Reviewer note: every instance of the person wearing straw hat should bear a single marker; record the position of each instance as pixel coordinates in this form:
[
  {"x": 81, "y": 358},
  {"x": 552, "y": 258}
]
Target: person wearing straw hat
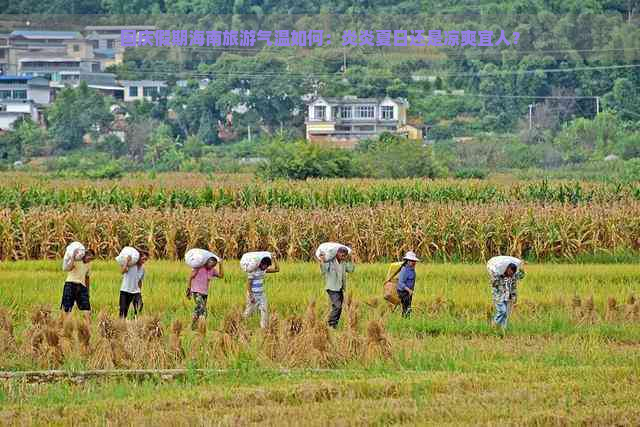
[{"x": 407, "y": 282}]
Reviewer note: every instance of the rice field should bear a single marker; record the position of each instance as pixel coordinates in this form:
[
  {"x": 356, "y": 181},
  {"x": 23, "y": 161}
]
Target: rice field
[{"x": 569, "y": 356}]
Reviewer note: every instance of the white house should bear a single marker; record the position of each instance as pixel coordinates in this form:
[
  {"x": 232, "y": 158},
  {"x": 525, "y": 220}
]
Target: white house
[
  {"x": 10, "y": 111},
  {"x": 135, "y": 90},
  {"x": 349, "y": 119}
]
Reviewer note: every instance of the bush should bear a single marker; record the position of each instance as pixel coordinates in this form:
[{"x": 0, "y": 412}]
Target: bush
[
  {"x": 302, "y": 160},
  {"x": 394, "y": 157},
  {"x": 629, "y": 146},
  {"x": 471, "y": 173}
]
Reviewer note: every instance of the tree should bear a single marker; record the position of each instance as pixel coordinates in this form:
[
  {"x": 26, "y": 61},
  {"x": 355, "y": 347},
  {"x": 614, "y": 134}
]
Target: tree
[
  {"x": 30, "y": 138},
  {"x": 196, "y": 112},
  {"x": 302, "y": 160},
  {"x": 162, "y": 152},
  {"x": 395, "y": 157},
  {"x": 623, "y": 99},
  {"x": 77, "y": 112}
]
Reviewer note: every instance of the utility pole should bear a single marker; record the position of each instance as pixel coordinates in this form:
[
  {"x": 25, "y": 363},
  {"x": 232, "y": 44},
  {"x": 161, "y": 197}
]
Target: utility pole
[
  {"x": 597, "y": 105},
  {"x": 344, "y": 61},
  {"x": 249, "y": 132},
  {"x": 530, "y": 116}
]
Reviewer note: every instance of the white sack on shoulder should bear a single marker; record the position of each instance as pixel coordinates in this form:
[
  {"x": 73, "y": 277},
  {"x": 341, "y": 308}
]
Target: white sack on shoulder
[
  {"x": 128, "y": 251},
  {"x": 250, "y": 261},
  {"x": 496, "y": 266},
  {"x": 330, "y": 249},
  {"x": 196, "y": 258},
  {"x": 68, "y": 259}
]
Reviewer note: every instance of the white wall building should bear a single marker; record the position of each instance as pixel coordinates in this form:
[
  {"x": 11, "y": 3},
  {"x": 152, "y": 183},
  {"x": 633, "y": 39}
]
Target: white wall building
[
  {"x": 137, "y": 90},
  {"x": 10, "y": 111}
]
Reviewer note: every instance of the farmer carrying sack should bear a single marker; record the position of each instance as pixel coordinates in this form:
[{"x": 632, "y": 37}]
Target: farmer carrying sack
[
  {"x": 329, "y": 250},
  {"x": 76, "y": 248},
  {"x": 130, "y": 252},
  {"x": 251, "y": 260},
  {"x": 497, "y": 265},
  {"x": 390, "y": 288},
  {"x": 196, "y": 258}
]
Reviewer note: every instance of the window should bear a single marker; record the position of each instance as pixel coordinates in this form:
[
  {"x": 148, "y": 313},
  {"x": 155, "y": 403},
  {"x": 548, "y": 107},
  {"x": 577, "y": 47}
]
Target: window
[
  {"x": 20, "y": 94},
  {"x": 95, "y": 68},
  {"x": 334, "y": 112},
  {"x": 346, "y": 112},
  {"x": 110, "y": 44},
  {"x": 365, "y": 128},
  {"x": 2, "y": 53},
  {"x": 95, "y": 44},
  {"x": 5, "y": 94},
  {"x": 387, "y": 112},
  {"x": 133, "y": 91},
  {"x": 76, "y": 48},
  {"x": 364, "y": 112},
  {"x": 320, "y": 112},
  {"x": 150, "y": 91}
]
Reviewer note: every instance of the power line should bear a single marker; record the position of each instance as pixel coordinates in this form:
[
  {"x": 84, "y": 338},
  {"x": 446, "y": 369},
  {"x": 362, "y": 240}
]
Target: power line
[{"x": 372, "y": 75}]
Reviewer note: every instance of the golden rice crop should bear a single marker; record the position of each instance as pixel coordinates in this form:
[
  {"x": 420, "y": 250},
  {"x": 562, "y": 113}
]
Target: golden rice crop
[{"x": 436, "y": 231}]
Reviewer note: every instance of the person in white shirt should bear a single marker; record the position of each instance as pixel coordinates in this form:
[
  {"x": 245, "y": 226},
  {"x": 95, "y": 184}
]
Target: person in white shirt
[
  {"x": 256, "y": 298},
  {"x": 131, "y": 289}
]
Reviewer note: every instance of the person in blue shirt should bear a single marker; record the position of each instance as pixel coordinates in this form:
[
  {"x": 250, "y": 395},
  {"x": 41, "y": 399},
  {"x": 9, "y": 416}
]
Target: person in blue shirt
[{"x": 407, "y": 282}]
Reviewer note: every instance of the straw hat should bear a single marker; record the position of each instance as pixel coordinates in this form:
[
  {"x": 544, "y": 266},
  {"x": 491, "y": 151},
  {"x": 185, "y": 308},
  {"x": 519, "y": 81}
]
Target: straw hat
[{"x": 411, "y": 256}]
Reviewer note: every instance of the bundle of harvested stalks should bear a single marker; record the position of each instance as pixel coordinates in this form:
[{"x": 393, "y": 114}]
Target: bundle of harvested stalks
[
  {"x": 353, "y": 314},
  {"x": 293, "y": 326},
  {"x": 576, "y": 302},
  {"x": 67, "y": 341},
  {"x": 153, "y": 328},
  {"x": 310, "y": 317},
  {"x": 233, "y": 325},
  {"x": 589, "y": 314},
  {"x": 41, "y": 316},
  {"x": 272, "y": 338},
  {"x": 321, "y": 353},
  {"x": 7, "y": 339},
  {"x": 632, "y": 311},
  {"x": 135, "y": 342},
  {"x": 378, "y": 344},
  {"x": 83, "y": 333},
  {"x": 231, "y": 335},
  {"x": 612, "y": 309},
  {"x": 52, "y": 355},
  {"x": 103, "y": 356},
  {"x": 175, "y": 341},
  {"x": 156, "y": 352},
  {"x": 199, "y": 346}
]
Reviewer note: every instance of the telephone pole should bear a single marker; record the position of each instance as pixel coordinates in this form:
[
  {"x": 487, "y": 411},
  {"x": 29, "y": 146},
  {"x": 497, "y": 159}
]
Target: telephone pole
[
  {"x": 344, "y": 61},
  {"x": 597, "y": 105},
  {"x": 530, "y": 116}
]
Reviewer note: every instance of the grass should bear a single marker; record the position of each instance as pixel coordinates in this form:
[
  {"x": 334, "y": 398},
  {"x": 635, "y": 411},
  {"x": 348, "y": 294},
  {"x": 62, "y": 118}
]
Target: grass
[{"x": 558, "y": 364}]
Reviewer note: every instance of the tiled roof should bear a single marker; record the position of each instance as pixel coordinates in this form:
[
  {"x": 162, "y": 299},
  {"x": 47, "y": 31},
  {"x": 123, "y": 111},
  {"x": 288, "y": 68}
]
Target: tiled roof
[
  {"x": 63, "y": 35},
  {"x": 353, "y": 100}
]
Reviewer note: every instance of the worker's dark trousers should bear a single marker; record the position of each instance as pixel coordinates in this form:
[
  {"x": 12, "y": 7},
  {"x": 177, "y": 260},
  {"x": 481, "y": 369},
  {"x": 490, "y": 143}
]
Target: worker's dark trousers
[
  {"x": 405, "y": 299},
  {"x": 336, "y": 298}
]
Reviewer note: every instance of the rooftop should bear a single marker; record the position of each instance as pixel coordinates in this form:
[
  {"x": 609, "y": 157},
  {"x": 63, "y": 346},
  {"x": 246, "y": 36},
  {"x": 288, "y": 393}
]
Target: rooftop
[
  {"x": 142, "y": 83},
  {"x": 5, "y": 77},
  {"x": 40, "y": 35},
  {"x": 355, "y": 100},
  {"x": 119, "y": 27}
]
